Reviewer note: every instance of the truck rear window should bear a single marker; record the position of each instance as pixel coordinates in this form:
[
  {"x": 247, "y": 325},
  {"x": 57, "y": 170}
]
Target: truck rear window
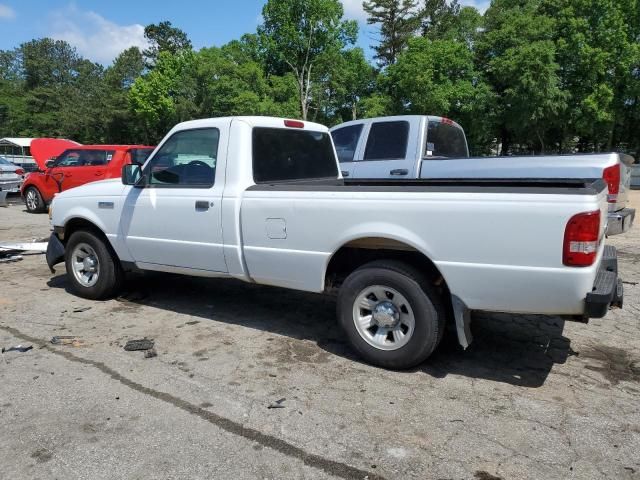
[
  {"x": 280, "y": 154},
  {"x": 445, "y": 140}
]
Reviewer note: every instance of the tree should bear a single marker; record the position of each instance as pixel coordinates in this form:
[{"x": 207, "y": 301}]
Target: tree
[
  {"x": 437, "y": 16},
  {"x": 164, "y": 37},
  {"x": 120, "y": 125},
  {"x": 398, "y": 21},
  {"x": 161, "y": 98},
  {"x": 297, "y": 34},
  {"x": 597, "y": 49},
  {"x": 437, "y": 77},
  {"x": 518, "y": 58}
]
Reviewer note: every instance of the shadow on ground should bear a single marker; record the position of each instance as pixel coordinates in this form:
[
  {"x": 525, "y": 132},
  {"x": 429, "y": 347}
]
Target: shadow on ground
[{"x": 515, "y": 349}]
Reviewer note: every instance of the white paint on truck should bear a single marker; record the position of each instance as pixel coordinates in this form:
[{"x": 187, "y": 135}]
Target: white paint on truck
[
  {"x": 262, "y": 200},
  {"x": 420, "y": 146}
]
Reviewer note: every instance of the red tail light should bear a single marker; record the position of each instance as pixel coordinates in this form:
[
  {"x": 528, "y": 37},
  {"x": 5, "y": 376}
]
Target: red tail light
[
  {"x": 581, "y": 240},
  {"x": 293, "y": 124},
  {"x": 611, "y": 175},
  {"x": 19, "y": 171}
]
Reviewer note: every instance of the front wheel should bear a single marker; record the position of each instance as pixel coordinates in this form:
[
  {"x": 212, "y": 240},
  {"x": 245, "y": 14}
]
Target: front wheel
[
  {"x": 33, "y": 200},
  {"x": 92, "y": 267},
  {"x": 391, "y": 314}
]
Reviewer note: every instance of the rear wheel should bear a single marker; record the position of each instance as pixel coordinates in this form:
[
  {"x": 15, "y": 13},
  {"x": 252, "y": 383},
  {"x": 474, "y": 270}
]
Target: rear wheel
[
  {"x": 391, "y": 314},
  {"x": 92, "y": 267},
  {"x": 33, "y": 200}
]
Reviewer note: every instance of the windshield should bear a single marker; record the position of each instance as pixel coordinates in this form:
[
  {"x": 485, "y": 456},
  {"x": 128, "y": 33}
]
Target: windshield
[
  {"x": 4, "y": 161},
  {"x": 445, "y": 139}
]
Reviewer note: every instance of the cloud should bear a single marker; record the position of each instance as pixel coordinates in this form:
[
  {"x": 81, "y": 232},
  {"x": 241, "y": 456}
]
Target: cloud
[
  {"x": 353, "y": 10},
  {"x": 94, "y": 36},
  {"x": 6, "y": 12},
  {"x": 481, "y": 5}
]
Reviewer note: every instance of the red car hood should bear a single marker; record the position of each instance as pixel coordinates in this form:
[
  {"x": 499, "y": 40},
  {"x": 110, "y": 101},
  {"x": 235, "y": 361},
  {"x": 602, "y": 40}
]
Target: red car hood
[{"x": 42, "y": 149}]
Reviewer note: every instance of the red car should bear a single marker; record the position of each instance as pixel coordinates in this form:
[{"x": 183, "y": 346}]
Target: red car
[{"x": 64, "y": 164}]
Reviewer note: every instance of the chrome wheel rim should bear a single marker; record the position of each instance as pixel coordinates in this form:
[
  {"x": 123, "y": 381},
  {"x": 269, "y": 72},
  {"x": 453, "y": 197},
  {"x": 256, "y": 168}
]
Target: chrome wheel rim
[
  {"x": 85, "y": 265},
  {"x": 32, "y": 200},
  {"x": 383, "y": 317}
]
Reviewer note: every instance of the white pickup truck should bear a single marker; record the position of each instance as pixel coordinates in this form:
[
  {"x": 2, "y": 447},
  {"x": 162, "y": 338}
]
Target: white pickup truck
[
  {"x": 262, "y": 200},
  {"x": 420, "y": 146}
]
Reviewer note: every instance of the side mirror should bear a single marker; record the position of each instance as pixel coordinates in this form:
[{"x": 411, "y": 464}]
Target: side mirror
[
  {"x": 50, "y": 163},
  {"x": 131, "y": 174}
]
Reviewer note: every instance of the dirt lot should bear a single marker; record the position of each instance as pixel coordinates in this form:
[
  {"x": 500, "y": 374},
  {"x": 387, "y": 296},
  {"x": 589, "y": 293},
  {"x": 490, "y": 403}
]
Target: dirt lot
[{"x": 534, "y": 397}]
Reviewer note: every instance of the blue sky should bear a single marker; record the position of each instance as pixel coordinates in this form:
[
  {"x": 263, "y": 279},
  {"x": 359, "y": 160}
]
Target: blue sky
[{"x": 101, "y": 29}]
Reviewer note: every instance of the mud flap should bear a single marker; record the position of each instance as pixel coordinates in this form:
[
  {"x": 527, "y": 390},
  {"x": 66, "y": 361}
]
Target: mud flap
[
  {"x": 55, "y": 252},
  {"x": 463, "y": 322}
]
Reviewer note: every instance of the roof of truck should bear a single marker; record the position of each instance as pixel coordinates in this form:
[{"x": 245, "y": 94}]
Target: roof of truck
[{"x": 395, "y": 118}]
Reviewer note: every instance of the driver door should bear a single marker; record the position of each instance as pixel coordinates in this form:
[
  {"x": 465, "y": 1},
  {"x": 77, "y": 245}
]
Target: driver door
[{"x": 172, "y": 221}]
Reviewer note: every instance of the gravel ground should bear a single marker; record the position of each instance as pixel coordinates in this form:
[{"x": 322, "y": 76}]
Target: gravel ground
[{"x": 534, "y": 397}]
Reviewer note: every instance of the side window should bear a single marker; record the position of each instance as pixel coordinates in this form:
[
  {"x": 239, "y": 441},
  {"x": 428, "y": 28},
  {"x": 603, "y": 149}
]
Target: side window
[
  {"x": 96, "y": 158},
  {"x": 69, "y": 159},
  {"x": 186, "y": 159},
  {"x": 346, "y": 140},
  {"x": 387, "y": 141}
]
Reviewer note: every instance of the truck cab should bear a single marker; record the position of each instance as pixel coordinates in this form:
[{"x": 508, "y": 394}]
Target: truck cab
[{"x": 394, "y": 147}]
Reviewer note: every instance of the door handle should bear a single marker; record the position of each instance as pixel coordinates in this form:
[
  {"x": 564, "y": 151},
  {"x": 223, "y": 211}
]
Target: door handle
[
  {"x": 203, "y": 205},
  {"x": 344, "y": 173},
  {"x": 399, "y": 171},
  {"x": 99, "y": 173}
]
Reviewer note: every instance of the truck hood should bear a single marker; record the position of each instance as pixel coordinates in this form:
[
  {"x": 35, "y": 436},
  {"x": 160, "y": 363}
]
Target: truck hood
[{"x": 42, "y": 149}]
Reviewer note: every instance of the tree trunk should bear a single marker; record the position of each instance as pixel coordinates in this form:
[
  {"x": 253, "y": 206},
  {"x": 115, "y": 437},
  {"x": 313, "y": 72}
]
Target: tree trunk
[{"x": 504, "y": 140}]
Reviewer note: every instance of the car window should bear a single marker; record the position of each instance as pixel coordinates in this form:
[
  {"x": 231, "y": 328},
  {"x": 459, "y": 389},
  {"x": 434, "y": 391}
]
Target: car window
[
  {"x": 282, "y": 154},
  {"x": 4, "y": 161},
  {"x": 387, "y": 141},
  {"x": 84, "y": 158},
  {"x": 346, "y": 140},
  {"x": 445, "y": 140},
  {"x": 186, "y": 159}
]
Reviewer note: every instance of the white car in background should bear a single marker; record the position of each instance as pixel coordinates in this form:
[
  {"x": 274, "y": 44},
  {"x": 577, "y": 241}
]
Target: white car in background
[{"x": 11, "y": 176}]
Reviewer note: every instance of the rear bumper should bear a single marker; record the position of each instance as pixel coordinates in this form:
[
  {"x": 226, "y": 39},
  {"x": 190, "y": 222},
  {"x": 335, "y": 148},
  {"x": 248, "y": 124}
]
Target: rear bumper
[
  {"x": 620, "y": 221},
  {"x": 11, "y": 187},
  {"x": 607, "y": 288}
]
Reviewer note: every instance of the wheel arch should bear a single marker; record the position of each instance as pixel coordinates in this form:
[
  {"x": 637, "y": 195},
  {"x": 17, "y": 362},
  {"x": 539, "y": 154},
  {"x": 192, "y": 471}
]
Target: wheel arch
[{"x": 358, "y": 251}]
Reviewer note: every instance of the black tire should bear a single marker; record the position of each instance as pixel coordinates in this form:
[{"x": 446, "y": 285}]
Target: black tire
[
  {"x": 426, "y": 304},
  {"x": 110, "y": 274},
  {"x": 35, "y": 205}
]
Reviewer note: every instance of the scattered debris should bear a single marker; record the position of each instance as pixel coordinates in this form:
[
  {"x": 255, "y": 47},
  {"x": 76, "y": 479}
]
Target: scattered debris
[
  {"x": 150, "y": 353},
  {"x": 19, "y": 247},
  {"x": 81, "y": 309},
  {"x": 135, "y": 345},
  {"x": 67, "y": 340},
  {"x": 277, "y": 404},
  {"x": 193, "y": 322},
  {"x": 17, "y": 348},
  {"x": 10, "y": 258},
  {"x": 633, "y": 284}
]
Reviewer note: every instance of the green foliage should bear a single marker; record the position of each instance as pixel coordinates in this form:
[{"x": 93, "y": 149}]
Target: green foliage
[
  {"x": 164, "y": 37},
  {"x": 398, "y": 21},
  {"x": 297, "y": 35},
  {"x": 527, "y": 76}
]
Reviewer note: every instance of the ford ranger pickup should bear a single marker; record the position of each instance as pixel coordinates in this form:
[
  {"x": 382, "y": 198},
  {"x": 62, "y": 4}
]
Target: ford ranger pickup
[{"x": 262, "y": 200}]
